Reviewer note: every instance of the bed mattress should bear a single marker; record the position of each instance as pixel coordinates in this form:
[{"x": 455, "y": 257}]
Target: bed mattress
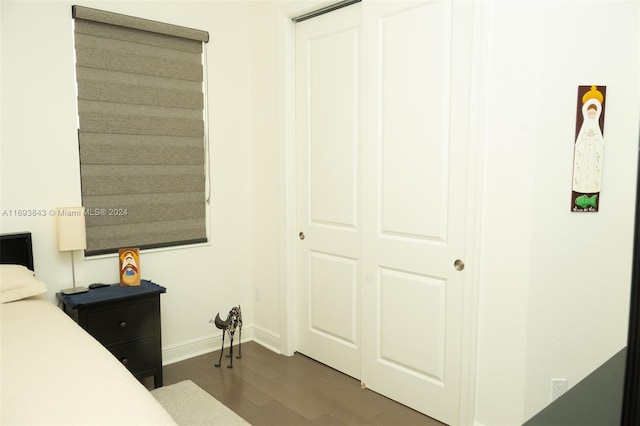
[{"x": 52, "y": 372}]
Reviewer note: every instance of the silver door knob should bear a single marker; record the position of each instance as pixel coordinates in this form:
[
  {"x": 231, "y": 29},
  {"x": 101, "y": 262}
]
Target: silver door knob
[
  {"x": 301, "y": 235},
  {"x": 458, "y": 264}
]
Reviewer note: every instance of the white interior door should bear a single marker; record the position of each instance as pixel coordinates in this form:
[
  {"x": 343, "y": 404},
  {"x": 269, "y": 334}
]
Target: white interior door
[
  {"x": 328, "y": 207},
  {"x": 416, "y": 88},
  {"x": 382, "y": 127}
]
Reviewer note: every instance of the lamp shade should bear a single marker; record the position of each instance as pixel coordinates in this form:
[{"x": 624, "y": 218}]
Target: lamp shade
[{"x": 70, "y": 227}]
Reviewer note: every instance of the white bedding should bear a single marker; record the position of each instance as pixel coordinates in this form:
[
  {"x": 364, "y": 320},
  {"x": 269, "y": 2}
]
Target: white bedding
[{"x": 52, "y": 372}]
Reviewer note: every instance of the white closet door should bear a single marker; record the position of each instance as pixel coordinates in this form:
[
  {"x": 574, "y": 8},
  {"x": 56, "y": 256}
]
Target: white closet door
[
  {"x": 328, "y": 207},
  {"x": 382, "y": 127},
  {"x": 416, "y": 85}
]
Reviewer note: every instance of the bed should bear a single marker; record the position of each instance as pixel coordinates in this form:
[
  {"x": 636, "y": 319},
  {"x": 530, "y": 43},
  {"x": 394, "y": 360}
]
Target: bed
[{"x": 52, "y": 372}]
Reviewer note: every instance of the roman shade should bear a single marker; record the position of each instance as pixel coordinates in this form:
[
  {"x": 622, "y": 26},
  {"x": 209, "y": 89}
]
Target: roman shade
[{"x": 141, "y": 131}]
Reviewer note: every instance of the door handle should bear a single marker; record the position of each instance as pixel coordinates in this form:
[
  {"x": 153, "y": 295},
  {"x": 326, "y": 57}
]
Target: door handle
[
  {"x": 458, "y": 264},
  {"x": 301, "y": 235}
]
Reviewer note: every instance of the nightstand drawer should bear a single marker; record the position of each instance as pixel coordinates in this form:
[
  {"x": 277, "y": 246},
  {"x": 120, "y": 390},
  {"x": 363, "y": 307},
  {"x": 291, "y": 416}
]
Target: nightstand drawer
[
  {"x": 121, "y": 324},
  {"x": 137, "y": 356}
]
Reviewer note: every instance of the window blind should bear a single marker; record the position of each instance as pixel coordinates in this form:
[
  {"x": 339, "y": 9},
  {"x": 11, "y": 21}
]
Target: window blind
[{"x": 141, "y": 131}]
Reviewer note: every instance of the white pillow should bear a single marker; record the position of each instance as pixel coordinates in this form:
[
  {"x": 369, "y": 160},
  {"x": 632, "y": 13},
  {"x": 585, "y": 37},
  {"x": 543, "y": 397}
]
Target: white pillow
[{"x": 18, "y": 282}]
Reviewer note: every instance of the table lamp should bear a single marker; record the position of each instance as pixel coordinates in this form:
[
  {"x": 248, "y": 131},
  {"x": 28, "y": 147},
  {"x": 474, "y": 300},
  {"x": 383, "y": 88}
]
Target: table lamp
[{"x": 71, "y": 237}]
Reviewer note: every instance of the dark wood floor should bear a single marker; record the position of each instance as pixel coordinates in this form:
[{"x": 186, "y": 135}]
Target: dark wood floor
[{"x": 270, "y": 389}]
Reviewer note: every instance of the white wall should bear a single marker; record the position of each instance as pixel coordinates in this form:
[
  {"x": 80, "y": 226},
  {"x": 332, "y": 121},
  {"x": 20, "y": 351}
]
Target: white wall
[
  {"x": 581, "y": 263},
  {"x": 39, "y": 159},
  {"x": 554, "y": 285},
  {"x": 508, "y": 120},
  {"x": 265, "y": 133}
]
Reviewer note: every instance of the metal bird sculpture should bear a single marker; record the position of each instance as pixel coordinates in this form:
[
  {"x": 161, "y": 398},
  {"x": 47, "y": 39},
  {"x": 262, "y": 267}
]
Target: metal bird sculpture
[{"x": 233, "y": 321}]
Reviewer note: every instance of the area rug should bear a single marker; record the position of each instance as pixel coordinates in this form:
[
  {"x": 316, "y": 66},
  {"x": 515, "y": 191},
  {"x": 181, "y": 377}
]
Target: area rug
[{"x": 189, "y": 405}]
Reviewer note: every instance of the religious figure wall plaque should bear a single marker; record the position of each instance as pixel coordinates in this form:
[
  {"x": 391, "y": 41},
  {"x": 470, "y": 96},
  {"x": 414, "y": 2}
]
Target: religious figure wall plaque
[{"x": 588, "y": 150}]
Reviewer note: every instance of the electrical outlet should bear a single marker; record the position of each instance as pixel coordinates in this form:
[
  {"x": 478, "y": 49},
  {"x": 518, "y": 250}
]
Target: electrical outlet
[
  {"x": 258, "y": 294},
  {"x": 558, "y": 387}
]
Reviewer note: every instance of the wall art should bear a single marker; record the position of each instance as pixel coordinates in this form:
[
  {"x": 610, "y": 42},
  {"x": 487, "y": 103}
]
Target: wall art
[{"x": 588, "y": 151}]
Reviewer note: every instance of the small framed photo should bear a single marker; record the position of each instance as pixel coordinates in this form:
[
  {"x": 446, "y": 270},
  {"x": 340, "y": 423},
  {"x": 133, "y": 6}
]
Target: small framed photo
[{"x": 129, "y": 266}]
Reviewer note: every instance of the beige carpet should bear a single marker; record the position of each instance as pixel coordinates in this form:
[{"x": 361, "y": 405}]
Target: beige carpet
[{"x": 189, "y": 405}]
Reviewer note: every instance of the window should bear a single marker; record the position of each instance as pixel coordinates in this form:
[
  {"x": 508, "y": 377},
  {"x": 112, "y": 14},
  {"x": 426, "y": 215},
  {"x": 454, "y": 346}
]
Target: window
[{"x": 141, "y": 131}]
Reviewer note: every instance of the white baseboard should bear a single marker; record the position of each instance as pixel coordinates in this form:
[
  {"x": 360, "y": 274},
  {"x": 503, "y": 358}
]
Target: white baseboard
[
  {"x": 201, "y": 346},
  {"x": 267, "y": 338},
  {"x": 190, "y": 349}
]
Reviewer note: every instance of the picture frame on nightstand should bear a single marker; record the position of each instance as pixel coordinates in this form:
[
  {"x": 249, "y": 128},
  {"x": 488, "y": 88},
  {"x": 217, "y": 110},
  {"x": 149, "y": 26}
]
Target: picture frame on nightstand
[{"x": 129, "y": 266}]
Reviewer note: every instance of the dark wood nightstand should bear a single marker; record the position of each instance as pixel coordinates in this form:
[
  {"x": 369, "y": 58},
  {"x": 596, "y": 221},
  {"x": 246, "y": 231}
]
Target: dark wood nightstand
[{"x": 126, "y": 320}]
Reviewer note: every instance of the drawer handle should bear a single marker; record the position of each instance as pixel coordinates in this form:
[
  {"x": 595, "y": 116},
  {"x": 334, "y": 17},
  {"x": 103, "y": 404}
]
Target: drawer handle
[
  {"x": 124, "y": 361},
  {"x": 123, "y": 324}
]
